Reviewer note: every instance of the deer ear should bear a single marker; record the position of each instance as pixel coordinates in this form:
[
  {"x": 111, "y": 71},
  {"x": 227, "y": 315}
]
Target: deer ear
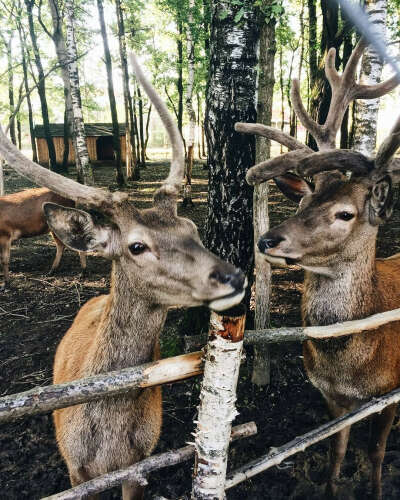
[
  {"x": 293, "y": 187},
  {"x": 381, "y": 201},
  {"x": 79, "y": 231}
]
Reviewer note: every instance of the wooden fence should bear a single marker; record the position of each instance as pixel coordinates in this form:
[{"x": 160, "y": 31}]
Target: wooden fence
[{"x": 219, "y": 361}]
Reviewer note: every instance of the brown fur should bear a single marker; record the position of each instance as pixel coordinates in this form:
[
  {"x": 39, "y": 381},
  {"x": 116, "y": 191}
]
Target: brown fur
[
  {"x": 344, "y": 281},
  {"x": 22, "y": 217}
]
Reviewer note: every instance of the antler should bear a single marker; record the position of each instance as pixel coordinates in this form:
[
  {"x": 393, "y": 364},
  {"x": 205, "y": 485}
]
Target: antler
[
  {"x": 86, "y": 195},
  {"x": 271, "y": 133},
  {"x": 388, "y": 148},
  {"x": 344, "y": 90},
  {"x": 173, "y": 182}
]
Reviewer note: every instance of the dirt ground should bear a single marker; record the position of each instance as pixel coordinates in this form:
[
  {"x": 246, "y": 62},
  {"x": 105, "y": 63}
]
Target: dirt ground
[{"x": 38, "y": 310}]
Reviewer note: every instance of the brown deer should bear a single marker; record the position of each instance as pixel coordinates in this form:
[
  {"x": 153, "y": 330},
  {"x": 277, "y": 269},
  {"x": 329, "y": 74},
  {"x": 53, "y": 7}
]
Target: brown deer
[
  {"x": 22, "y": 217},
  {"x": 333, "y": 237},
  {"x": 158, "y": 261}
]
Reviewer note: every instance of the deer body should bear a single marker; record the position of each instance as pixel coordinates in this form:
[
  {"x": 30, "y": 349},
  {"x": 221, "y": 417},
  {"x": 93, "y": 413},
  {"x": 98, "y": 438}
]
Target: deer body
[{"x": 22, "y": 216}]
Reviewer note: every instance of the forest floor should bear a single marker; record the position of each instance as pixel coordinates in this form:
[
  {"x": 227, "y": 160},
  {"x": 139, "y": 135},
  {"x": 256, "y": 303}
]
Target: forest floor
[{"x": 38, "y": 310}]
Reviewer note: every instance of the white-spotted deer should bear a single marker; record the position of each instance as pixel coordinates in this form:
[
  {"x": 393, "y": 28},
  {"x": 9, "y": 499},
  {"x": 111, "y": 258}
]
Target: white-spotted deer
[
  {"x": 158, "y": 261},
  {"x": 333, "y": 237},
  {"x": 21, "y": 216}
]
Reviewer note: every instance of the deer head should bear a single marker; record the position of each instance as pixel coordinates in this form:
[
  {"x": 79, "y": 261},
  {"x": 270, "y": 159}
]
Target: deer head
[
  {"x": 338, "y": 215},
  {"x": 157, "y": 255}
]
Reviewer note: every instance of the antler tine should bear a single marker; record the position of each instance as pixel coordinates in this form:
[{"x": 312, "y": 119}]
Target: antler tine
[
  {"x": 271, "y": 133},
  {"x": 388, "y": 148},
  {"x": 85, "y": 195},
  {"x": 174, "y": 179},
  {"x": 338, "y": 159},
  {"x": 277, "y": 166}
]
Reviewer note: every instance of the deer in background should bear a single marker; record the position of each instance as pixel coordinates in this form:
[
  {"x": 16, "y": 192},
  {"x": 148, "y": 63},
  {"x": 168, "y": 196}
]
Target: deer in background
[
  {"x": 21, "y": 216},
  {"x": 158, "y": 261},
  {"x": 333, "y": 237}
]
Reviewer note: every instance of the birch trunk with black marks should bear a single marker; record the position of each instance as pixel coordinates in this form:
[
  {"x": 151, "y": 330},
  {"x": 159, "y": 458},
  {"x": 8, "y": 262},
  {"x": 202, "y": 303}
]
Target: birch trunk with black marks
[
  {"x": 179, "y": 81},
  {"x": 131, "y": 171},
  {"x": 187, "y": 189},
  {"x": 41, "y": 86},
  {"x": 111, "y": 96},
  {"x": 366, "y": 113},
  {"x": 231, "y": 98},
  {"x": 217, "y": 403},
  {"x": 261, "y": 362},
  {"x": 85, "y": 172}
]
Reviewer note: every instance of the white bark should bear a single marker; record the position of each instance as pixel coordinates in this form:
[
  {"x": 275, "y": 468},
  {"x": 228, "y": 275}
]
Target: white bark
[
  {"x": 371, "y": 71},
  {"x": 217, "y": 405},
  {"x": 86, "y": 174}
]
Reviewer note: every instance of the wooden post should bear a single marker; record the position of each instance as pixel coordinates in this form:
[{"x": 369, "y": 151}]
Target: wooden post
[{"x": 217, "y": 403}]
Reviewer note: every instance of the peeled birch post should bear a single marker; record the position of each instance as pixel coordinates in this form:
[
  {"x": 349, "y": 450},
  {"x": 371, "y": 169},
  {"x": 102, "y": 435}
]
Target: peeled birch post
[{"x": 217, "y": 403}]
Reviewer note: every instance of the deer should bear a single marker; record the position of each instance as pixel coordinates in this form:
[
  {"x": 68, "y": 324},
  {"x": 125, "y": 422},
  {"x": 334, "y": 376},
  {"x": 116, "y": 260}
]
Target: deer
[
  {"x": 343, "y": 198},
  {"x": 158, "y": 261},
  {"x": 22, "y": 217}
]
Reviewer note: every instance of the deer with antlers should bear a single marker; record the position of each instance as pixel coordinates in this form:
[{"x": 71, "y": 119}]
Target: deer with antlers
[
  {"x": 333, "y": 237},
  {"x": 158, "y": 261}
]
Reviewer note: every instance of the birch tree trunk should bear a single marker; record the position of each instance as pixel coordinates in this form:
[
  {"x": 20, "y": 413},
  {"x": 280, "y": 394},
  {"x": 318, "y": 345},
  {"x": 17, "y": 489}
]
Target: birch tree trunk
[
  {"x": 366, "y": 112},
  {"x": 111, "y": 96},
  {"x": 231, "y": 97},
  {"x": 131, "y": 171},
  {"x": 85, "y": 172},
  {"x": 217, "y": 403},
  {"x": 187, "y": 190},
  {"x": 261, "y": 362}
]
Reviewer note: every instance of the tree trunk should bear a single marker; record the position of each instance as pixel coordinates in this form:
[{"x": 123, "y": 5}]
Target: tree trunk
[
  {"x": 344, "y": 128},
  {"x": 187, "y": 190},
  {"x": 141, "y": 127},
  {"x": 231, "y": 98},
  {"x": 179, "y": 82},
  {"x": 282, "y": 92},
  {"x": 10, "y": 72},
  {"x": 371, "y": 71},
  {"x": 41, "y": 86},
  {"x": 312, "y": 57},
  {"x": 85, "y": 174},
  {"x": 111, "y": 96},
  {"x": 261, "y": 363},
  {"x": 147, "y": 130},
  {"x": 131, "y": 171}
]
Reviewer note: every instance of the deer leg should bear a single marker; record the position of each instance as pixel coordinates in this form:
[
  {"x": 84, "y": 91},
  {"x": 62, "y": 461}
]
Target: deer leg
[
  {"x": 60, "y": 250},
  {"x": 5, "y": 247},
  {"x": 82, "y": 258},
  {"x": 132, "y": 491},
  {"x": 81, "y": 476},
  {"x": 380, "y": 427},
  {"x": 337, "y": 452}
]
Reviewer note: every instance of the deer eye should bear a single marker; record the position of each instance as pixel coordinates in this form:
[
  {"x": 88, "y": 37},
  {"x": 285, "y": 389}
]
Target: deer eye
[
  {"x": 344, "y": 215},
  {"x": 137, "y": 248}
]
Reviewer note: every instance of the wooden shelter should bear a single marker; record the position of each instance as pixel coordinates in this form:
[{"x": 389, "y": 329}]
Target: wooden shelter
[{"x": 98, "y": 140}]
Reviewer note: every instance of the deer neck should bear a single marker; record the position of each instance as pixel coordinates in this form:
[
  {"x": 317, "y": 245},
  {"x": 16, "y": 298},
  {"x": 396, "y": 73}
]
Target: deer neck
[
  {"x": 130, "y": 326},
  {"x": 350, "y": 293}
]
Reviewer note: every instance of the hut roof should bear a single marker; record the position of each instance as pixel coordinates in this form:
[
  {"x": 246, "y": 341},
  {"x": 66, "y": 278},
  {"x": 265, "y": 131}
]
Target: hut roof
[{"x": 91, "y": 129}]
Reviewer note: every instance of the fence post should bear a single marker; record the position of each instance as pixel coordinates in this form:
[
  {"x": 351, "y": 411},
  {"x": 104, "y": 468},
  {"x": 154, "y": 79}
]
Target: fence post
[{"x": 217, "y": 410}]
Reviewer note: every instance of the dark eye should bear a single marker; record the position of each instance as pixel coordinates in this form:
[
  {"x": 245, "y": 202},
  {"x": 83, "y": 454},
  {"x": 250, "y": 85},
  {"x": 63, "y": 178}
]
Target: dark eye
[
  {"x": 344, "y": 215},
  {"x": 137, "y": 248}
]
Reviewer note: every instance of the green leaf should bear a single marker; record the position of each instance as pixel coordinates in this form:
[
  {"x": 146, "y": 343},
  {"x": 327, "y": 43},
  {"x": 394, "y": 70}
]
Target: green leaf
[
  {"x": 239, "y": 15},
  {"x": 223, "y": 14}
]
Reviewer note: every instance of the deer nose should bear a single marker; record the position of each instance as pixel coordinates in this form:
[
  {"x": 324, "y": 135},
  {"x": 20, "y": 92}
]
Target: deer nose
[
  {"x": 235, "y": 279},
  {"x": 271, "y": 242}
]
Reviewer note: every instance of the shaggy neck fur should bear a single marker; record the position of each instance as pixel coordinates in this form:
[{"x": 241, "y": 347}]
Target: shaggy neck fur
[
  {"x": 130, "y": 327},
  {"x": 351, "y": 294}
]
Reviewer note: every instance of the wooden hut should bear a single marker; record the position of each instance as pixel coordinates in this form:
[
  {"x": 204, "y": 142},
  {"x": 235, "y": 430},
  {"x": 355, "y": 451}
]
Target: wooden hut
[{"x": 98, "y": 140}]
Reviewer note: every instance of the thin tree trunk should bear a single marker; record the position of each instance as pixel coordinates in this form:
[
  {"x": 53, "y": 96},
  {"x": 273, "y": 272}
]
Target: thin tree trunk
[
  {"x": 371, "y": 71},
  {"x": 111, "y": 96},
  {"x": 198, "y": 126},
  {"x": 141, "y": 127},
  {"x": 344, "y": 128},
  {"x": 282, "y": 92},
  {"x": 41, "y": 86},
  {"x": 312, "y": 58},
  {"x": 231, "y": 95},
  {"x": 135, "y": 123},
  {"x": 261, "y": 363},
  {"x": 10, "y": 72},
  {"x": 131, "y": 171},
  {"x": 179, "y": 82},
  {"x": 147, "y": 130},
  {"x": 187, "y": 190}
]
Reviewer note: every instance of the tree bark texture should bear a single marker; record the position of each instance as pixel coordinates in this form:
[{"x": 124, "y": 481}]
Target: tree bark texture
[
  {"x": 261, "y": 361},
  {"x": 366, "y": 113},
  {"x": 10, "y": 72},
  {"x": 141, "y": 127},
  {"x": 111, "y": 96},
  {"x": 179, "y": 82},
  {"x": 85, "y": 172},
  {"x": 231, "y": 98},
  {"x": 41, "y": 86},
  {"x": 190, "y": 41},
  {"x": 217, "y": 403}
]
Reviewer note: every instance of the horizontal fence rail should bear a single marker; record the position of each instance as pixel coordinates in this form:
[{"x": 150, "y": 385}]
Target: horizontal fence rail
[
  {"x": 302, "y": 442},
  {"x": 52, "y": 397},
  {"x": 140, "y": 470}
]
